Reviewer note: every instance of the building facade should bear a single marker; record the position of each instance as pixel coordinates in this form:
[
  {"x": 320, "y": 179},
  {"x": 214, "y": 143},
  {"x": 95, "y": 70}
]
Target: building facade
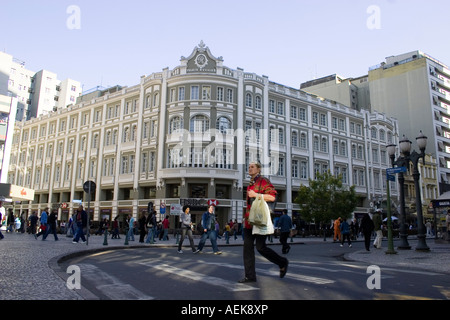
[
  {"x": 187, "y": 135},
  {"x": 36, "y": 92}
]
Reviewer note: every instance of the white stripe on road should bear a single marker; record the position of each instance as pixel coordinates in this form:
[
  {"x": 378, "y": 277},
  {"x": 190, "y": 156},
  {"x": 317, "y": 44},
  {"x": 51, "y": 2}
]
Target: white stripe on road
[
  {"x": 109, "y": 285},
  {"x": 229, "y": 285},
  {"x": 289, "y": 275}
]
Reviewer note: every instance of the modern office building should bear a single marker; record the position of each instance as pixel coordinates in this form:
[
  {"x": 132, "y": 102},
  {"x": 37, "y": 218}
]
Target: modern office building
[
  {"x": 415, "y": 89},
  {"x": 187, "y": 135},
  {"x": 37, "y": 92}
]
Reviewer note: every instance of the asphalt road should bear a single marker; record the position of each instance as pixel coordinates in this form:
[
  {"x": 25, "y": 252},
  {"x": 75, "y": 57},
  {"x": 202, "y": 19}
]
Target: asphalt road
[{"x": 317, "y": 271}]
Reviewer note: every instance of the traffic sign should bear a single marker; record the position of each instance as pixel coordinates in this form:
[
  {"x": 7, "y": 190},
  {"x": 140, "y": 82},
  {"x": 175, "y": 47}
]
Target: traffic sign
[
  {"x": 162, "y": 208},
  {"x": 395, "y": 170},
  {"x": 89, "y": 186},
  {"x": 390, "y": 177}
]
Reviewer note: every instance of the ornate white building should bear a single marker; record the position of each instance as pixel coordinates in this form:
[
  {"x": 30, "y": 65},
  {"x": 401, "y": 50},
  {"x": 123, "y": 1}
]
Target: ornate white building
[{"x": 187, "y": 135}]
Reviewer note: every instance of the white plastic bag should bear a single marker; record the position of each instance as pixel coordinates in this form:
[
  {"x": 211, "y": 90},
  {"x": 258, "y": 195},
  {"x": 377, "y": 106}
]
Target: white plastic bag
[
  {"x": 259, "y": 212},
  {"x": 264, "y": 230}
]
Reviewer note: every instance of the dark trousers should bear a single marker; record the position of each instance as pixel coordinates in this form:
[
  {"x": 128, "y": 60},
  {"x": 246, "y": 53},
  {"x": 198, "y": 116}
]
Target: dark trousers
[
  {"x": 367, "y": 240},
  {"x": 266, "y": 252},
  {"x": 283, "y": 240}
]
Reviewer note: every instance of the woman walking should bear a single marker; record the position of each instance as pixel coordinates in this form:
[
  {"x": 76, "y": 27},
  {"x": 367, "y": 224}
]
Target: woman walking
[
  {"x": 259, "y": 186},
  {"x": 186, "y": 228}
]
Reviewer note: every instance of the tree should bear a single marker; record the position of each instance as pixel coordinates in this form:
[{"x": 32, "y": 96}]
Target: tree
[{"x": 326, "y": 199}]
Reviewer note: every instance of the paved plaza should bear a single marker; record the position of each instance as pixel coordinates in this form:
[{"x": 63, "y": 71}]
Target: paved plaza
[{"x": 30, "y": 272}]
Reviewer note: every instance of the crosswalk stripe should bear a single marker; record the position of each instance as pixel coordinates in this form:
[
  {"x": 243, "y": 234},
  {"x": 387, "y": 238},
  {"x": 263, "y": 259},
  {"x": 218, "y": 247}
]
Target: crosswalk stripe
[
  {"x": 229, "y": 285},
  {"x": 292, "y": 276},
  {"x": 109, "y": 285}
]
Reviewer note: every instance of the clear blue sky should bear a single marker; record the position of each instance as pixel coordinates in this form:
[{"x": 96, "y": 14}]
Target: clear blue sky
[{"x": 290, "y": 41}]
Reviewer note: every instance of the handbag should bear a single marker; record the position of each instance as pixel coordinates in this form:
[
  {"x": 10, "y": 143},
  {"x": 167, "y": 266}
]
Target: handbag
[{"x": 259, "y": 212}]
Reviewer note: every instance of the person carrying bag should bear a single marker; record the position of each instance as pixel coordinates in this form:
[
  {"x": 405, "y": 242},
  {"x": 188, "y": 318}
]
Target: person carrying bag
[{"x": 259, "y": 187}]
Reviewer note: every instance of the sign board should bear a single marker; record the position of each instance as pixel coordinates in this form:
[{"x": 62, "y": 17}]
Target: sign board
[
  {"x": 176, "y": 209},
  {"x": 390, "y": 177},
  {"x": 162, "y": 208},
  {"x": 213, "y": 202},
  {"x": 395, "y": 170},
  {"x": 18, "y": 193}
]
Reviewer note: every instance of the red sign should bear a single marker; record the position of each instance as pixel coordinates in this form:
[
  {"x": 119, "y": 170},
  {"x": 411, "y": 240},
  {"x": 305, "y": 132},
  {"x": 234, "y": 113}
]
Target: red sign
[{"x": 213, "y": 202}]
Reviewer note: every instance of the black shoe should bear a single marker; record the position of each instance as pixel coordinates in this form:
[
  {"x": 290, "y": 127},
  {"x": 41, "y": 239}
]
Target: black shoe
[
  {"x": 284, "y": 270},
  {"x": 246, "y": 280}
]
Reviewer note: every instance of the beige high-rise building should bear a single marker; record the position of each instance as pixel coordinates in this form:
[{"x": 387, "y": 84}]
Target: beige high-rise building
[{"x": 414, "y": 88}]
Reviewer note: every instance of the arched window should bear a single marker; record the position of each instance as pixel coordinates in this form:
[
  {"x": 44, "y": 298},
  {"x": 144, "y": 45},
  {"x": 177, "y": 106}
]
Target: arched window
[
  {"x": 199, "y": 123},
  {"x": 176, "y": 124},
  {"x": 248, "y": 100},
  {"x": 223, "y": 124}
]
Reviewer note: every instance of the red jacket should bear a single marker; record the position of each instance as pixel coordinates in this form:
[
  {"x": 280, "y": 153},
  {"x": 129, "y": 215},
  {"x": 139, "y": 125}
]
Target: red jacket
[{"x": 259, "y": 185}]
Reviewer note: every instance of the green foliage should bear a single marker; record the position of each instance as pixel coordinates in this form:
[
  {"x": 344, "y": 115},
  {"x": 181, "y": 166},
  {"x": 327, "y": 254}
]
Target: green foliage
[{"x": 326, "y": 199}]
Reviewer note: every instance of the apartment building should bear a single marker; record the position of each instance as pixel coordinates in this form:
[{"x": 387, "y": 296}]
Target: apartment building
[
  {"x": 186, "y": 136},
  {"x": 37, "y": 92}
]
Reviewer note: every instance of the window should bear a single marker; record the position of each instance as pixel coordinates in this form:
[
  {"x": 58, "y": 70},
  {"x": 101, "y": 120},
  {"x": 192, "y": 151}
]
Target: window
[
  {"x": 180, "y": 93},
  {"x": 294, "y": 139},
  {"x": 294, "y": 112},
  {"x": 230, "y": 95},
  {"x": 280, "y": 108},
  {"x": 248, "y": 100},
  {"x": 220, "y": 94},
  {"x": 194, "y": 92},
  {"x": 223, "y": 124},
  {"x": 315, "y": 118},
  {"x": 176, "y": 125},
  {"x": 323, "y": 119},
  {"x": 302, "y": 114},
  {"x": 272, "y": 106},
  {"x": 206, "y": 93},
  {"x": 303, "y": 141},
  {"x": 294, "y": 168},
  {"x": 199, "y": 124},
  {"x": 258, "y": 103}
]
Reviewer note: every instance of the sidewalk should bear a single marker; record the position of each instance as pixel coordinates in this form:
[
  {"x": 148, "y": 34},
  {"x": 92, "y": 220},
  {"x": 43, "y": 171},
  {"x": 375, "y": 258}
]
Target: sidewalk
[{"x": 28, "y": 265}]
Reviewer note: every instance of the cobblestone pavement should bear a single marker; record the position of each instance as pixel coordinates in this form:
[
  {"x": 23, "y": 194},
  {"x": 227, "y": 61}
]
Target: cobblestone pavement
[{"x": 28, "y": 265}]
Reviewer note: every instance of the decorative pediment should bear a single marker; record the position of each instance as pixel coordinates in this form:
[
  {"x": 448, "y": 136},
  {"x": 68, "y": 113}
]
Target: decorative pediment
[{"x": 201, "y": 60}]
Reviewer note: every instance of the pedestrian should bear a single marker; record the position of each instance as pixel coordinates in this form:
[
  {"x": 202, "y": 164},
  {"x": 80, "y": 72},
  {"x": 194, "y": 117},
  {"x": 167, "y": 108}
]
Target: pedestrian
[
  {"x": 337, "y": 230},
  {"x": 186, "y": 228},
  {"x": 142, "y": 229},
  {"x": 81, "y": 222},
  {"x": 345, "y": 233},
  {"x": 377, "y": 223},
  {"x": 217, "y": 228},
  {"x": 209, "y": 230},
  {"x": 447, "y": 221},
  {"x": 51, "y": 225},
  {"x": 151, "y": 227},
  {"x": 10, "y": 220},
  {"x": 235, "y": 229},
  {"x": 366, "y": 228},
  {"x": 43, "y": 222},
  {"x": 115, "y": 231},
  {"x": 258, "y": 186},
  {"x": 165, "y": 226},
  {"x": 227, "y": 233},
  {"x": 285, "y": 225},
  {"x": 2, "y": 215},
  {"x": 130, "y": 227}
]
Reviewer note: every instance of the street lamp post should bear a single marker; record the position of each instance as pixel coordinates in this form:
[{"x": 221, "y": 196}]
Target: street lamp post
[
  {"x": 414, "y": 157},
  {"x": 400, "y": 162}
]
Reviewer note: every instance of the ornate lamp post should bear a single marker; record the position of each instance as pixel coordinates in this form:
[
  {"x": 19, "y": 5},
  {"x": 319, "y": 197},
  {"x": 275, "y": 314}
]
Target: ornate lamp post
[
  {"x": 400, "y": 162},
  {"x": 414, "y": 157}
]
